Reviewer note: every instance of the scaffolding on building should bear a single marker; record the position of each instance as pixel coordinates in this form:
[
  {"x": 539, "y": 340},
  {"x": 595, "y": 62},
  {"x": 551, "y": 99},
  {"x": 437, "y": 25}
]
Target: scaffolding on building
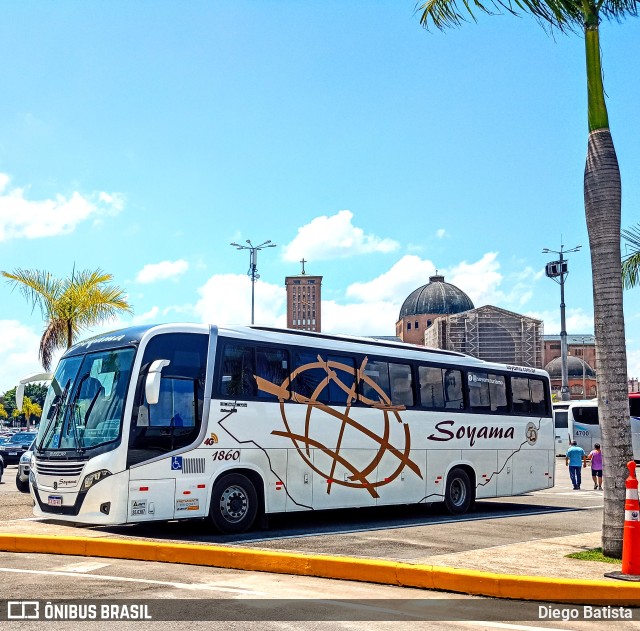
[{"x": 490, "y": 333}]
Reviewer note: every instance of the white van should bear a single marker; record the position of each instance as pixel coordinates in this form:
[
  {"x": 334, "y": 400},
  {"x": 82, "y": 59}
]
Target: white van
[{"x": 584, "y": 424}]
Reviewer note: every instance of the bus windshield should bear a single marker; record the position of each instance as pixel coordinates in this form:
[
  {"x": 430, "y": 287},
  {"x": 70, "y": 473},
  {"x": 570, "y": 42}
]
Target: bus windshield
[{"x": 85, "y": 402}]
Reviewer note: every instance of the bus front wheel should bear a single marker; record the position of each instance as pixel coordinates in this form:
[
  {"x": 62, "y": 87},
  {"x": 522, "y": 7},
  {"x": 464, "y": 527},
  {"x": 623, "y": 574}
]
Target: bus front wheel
[
  {"x": 234, "y": 503},
  {"x": 458, "y": 494}
]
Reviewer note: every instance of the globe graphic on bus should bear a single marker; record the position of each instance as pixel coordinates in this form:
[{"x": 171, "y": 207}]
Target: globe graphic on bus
[{"x": 361, "y": 446}]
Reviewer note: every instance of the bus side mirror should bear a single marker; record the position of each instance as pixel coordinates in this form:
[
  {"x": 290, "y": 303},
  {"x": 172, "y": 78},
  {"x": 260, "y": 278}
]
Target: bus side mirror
[
  {"x": 39, "y": 376},
  {"x": 19, "y": 396},
  {"x": 152, "y": 383}
]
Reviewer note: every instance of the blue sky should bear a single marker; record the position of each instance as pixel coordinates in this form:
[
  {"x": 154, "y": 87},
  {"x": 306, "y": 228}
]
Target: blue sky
[{"x": 143, "y": 137}]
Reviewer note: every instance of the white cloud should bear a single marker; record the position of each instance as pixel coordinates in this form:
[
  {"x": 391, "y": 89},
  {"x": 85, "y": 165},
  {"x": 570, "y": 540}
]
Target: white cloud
[
  {"x": 577, "y": 321},
  {"x": 23, "y": 218},
  {"x": 409, "y": 273},
  {"x": 148, "y": 317},
  {"x": 19, "y": 346},
  {"x": 441, "y": 233},
  {"x": 479, "y": 280},
  {"x": 364, "y": 318},
  {"x": 334, "y": 237},
  {"x": 226, "y": 299},
  {"x": 162, "y": 271}
]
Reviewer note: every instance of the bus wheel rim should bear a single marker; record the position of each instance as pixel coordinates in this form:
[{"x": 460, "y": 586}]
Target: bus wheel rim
[
  {"x": 458, "y": 492},
  {"x": 234, "y": 503}
]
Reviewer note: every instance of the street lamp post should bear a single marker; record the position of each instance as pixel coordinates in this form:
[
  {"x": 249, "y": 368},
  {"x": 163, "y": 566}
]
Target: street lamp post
[
  {"x": 559, "y": 270},
  {"x": 253, "y": 265}
]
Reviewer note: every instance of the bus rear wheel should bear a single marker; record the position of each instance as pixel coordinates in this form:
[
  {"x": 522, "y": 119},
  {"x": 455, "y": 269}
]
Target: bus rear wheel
[
  {"x": 458, "y": 494},
  {"x": 234, "y": 503}
]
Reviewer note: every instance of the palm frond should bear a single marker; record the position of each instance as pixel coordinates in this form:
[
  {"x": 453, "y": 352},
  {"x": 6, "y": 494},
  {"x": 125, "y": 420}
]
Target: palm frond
[
  {"x": 54, "y": 337},
  {"x": 563, "y": 15},
  {"x": 40, "y": 288},
  {"x": 631, "y": 262}
]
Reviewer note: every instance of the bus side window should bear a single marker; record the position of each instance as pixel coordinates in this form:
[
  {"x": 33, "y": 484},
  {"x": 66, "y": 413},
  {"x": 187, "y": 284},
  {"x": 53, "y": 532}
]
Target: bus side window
[
  {"x": 401, "y": 384},
  {"x": 453, "y": 395},
  {"x": 308, "y": 378},
  {"x": 487, "y": 392},
  {"x": 521, "y": 396},
  {"x": 175, "y": 420},
  {"x": 479, "y": 397},
  {"x": 341, "y": 383},
  {"x": 272, "y": 365},
  {"x": 431, "y": 387},
  {"x": 374, "y": 383},
  {"x": 538, "y": 403},
  {"x": 237, "y": 372},
  {"x": 498, "y": 393}
]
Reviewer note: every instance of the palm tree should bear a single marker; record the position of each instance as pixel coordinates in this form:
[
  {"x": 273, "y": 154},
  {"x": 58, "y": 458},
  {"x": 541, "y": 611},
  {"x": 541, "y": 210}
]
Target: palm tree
[
  {"x": 602, "y": 196},
  {"x": 69, "y": 305},
  {"x": 631, "y": 262},
  {"x": 29, "y": 408}
]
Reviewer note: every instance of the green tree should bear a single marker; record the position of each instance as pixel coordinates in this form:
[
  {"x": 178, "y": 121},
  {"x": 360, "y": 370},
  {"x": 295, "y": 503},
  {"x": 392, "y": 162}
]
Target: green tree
[
  {"x": 602, "y": 197},
  {"x": 69, "y": 305},
  {"x": 3, "y": 413}
]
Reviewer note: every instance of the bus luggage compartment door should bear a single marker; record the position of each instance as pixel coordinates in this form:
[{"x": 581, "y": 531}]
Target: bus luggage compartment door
[{"x": 151, "y": 499}]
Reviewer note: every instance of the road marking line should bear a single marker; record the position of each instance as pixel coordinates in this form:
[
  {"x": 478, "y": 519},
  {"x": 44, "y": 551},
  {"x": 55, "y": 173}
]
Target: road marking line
[
  {"x": 82, "y": 567},
  {"x": 123, "y": 579},
  {"x": 506, "y": 625}
]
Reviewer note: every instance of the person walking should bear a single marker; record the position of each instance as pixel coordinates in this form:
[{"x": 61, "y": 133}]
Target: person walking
[
  {"x": 575, "y": 459},
  {"x": 596, "y": 467}
]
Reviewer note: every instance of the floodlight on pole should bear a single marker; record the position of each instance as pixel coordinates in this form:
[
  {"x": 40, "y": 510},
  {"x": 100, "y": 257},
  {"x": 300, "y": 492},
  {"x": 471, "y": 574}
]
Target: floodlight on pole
[
  {"x": 558, "y": 270},
  {"x": 253, "y": 265}
]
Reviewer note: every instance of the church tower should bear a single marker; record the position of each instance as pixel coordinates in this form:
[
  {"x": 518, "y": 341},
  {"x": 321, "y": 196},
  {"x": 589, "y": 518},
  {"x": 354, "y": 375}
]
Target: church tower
[{"x": 304, "y": 301}]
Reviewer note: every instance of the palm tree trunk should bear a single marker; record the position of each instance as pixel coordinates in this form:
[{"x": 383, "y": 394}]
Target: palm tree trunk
[{"x": 602, "y": 195}]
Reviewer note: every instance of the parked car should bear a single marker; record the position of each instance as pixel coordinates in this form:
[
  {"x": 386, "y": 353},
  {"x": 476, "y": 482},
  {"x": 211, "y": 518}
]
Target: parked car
[
  {"x": 1, "y": 468},
  {"x": 24, "y": 467},
  {"x": 16, "y": 446}
]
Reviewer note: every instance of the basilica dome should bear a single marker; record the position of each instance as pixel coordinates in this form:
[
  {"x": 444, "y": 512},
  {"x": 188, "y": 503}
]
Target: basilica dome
[
  {"x": 576, "y": 368},
  {"x": 435, "y": 298}
]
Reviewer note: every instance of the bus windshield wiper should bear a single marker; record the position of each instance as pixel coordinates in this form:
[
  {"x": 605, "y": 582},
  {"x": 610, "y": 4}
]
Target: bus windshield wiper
[
  {"x": 54, "y": 419},
  {"x": 74, "y": 413}
]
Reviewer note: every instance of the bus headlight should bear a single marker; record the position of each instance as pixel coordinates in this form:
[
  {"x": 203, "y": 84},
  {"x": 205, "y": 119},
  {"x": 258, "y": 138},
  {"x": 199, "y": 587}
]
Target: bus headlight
[{"x": 94, "y": 478}]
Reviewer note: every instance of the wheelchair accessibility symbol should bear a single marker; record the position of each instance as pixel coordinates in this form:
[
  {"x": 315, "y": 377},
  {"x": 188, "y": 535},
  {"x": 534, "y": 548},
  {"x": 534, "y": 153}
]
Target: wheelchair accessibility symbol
[{"x": 176, "y": 463}]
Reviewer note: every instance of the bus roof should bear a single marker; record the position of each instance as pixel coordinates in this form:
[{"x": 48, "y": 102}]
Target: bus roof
[{"x": 132, "y": 336}]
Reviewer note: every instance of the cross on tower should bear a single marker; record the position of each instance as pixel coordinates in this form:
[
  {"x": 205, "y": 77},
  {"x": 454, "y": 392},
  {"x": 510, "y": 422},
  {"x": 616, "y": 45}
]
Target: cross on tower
[{"x": 303, "y": 261}]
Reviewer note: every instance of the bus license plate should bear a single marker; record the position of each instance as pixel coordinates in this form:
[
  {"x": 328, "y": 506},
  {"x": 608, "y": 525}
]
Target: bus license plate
[{"x": 55, "y": 500}]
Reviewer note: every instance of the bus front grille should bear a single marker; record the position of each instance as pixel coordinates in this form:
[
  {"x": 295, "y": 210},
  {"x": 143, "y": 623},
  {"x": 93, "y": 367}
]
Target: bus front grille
[{"x": 59, "y": 469}]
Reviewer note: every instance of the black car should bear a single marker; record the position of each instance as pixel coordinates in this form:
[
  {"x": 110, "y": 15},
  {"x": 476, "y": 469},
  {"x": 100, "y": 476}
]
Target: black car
[
  {"x": 1, "y": 468},
  {"x": 11, "y": 451}
]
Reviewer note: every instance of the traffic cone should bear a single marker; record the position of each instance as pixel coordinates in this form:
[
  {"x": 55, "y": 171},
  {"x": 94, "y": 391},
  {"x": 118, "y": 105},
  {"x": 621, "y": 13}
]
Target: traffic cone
[{"x": 631, "y": 533}]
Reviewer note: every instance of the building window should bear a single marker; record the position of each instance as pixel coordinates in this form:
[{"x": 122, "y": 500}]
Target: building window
[{"x": 408, "y": 326}]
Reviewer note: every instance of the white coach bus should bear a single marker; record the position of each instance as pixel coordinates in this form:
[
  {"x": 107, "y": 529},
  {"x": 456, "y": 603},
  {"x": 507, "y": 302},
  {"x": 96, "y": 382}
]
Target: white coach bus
[
  {"x": 584, "y": 423},
  {"x": 232, "y": 424}
]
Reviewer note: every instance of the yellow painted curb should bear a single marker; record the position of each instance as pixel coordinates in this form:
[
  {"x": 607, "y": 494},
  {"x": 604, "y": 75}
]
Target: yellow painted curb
[{"x": 510, "y": 586}]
